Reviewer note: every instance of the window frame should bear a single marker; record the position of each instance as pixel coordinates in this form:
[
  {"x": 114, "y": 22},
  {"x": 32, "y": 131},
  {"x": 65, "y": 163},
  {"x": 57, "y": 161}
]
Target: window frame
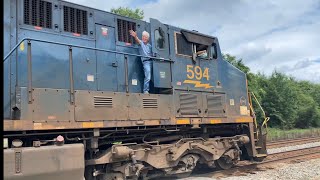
[
  {"x": 209, "y": 51},
  {"x": 176, "y": 45},
  {"x": 136, "y": 24},
  {"x": 156, "y": 44}
]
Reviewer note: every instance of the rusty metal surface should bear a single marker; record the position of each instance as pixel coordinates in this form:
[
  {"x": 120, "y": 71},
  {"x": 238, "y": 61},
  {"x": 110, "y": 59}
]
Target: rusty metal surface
[
  {"x": 47, "y": 162},
  {"x": 188, "y": 104},
  {"x": 24, "y": 124},
  {"x": 98, "y": 106},
  {"x": 85, "y": 108},
  {"x": 215, "y": 105},
  {"x": 51, "y": 105},
  {"x": 51, "y": 109},
  {"x": 200, "y": 104},
  {"x": 209, "y": 149}
]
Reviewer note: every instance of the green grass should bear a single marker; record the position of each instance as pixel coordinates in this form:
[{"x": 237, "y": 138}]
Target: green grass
[{"x": 275, "y": 134}]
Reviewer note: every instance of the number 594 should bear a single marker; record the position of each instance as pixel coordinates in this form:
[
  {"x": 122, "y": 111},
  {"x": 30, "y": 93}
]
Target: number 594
[{"x": 196, "y": 72}]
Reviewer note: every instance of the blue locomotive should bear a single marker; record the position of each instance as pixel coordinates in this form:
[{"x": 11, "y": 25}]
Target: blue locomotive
[{"x": 74, "y": 107}]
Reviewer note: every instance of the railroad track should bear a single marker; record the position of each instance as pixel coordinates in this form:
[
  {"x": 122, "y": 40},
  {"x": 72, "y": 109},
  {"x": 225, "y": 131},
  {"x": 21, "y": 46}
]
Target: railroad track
[
  {"x": 244, "y": 168},
  {"x": 291, "y": 142},
  {"x": 299, "y": 153}
]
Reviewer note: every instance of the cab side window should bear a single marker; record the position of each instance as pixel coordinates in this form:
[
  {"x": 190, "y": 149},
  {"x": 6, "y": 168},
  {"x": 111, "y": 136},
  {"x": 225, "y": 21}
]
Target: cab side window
[
  {"x": 202, "y": 51},
  {"x": 159, "y": 38},
  {"x": 183, "y": 47}
]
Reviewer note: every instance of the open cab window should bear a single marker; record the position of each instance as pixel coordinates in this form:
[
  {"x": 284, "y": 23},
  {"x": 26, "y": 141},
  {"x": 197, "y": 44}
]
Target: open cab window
[
  {"x": 202, "y": 51},
  {"x": 195, "y": 45}
]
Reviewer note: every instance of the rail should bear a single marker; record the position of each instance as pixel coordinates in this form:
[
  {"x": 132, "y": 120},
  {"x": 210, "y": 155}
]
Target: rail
[
  {"x": 83, "y": 47},
  {"x": 71, "y": 46},
  {"x": 266, "y": 119}
]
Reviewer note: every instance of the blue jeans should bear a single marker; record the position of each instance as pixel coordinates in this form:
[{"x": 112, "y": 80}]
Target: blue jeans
[{"x": 147, "y": 75}]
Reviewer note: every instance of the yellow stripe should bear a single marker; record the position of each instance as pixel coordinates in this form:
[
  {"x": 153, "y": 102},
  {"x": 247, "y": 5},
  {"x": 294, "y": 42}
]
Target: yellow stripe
[
  {"x": 183, "y": 121},
  {"x": 197, "y": 84},
  {"x": 244, "y": 119},
  {"x": 92, "y": 124},
  {"x": 215, "y": 121}
]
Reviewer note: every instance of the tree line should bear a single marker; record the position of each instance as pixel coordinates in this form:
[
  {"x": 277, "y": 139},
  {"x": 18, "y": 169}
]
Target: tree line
[{"x": 288, "y": 102}]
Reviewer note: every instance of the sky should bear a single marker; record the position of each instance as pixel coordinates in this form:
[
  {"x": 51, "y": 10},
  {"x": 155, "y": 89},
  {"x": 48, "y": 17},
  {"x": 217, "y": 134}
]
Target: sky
[{"x": 269, "y": 35}]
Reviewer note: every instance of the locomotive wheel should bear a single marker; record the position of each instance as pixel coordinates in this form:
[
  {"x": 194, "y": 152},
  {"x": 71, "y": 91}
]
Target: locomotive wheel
[{"x": 224, "y": 163}]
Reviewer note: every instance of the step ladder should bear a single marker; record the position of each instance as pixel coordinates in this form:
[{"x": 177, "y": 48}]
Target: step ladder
[{"x": 260, "y": 131}]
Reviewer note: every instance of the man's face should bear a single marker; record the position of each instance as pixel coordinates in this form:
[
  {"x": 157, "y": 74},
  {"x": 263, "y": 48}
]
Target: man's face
[{"x": 145, "y": 39}]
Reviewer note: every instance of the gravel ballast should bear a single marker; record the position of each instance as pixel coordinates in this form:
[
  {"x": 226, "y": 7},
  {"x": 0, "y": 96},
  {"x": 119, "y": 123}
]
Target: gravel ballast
[
  {"x": 291, "y": 148},
  {"x": 308, "y": 170}
]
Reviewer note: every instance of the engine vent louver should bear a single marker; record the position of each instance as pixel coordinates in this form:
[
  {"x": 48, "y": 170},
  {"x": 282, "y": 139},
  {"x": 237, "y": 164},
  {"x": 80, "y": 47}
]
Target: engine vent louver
[
  {"x": 150, "y": 103},
  {"x": 188, "y": 104},
  {"x": 216, "y": 105},
  {"x": 38, "y": 13},
  {"x": 75, "y": 20},
  {"x": 101, "y": 101}
]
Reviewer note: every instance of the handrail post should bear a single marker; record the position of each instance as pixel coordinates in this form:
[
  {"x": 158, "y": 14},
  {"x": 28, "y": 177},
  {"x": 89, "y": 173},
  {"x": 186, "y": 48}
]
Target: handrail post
[
  {"x": 126, "y": 73},
  {"x": 71, "y": 76},
  {"x": 29, "y": 73}
]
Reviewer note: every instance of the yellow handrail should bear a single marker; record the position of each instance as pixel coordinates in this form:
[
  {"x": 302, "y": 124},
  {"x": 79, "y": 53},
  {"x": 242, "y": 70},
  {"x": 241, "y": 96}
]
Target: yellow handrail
[
  {"x": 266, "y": 119},
  {"x": 255, "y": 119}
]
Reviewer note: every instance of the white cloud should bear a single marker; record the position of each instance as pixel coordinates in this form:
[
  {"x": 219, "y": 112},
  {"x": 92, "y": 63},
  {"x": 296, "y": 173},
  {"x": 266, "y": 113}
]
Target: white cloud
[
  {"x": 103, "y": 5},
  {"x": 303, "y": 70}
]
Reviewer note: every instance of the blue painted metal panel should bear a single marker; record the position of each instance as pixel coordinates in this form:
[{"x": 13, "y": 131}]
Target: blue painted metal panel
[
  {"x": 50, "y": 63},
  {"x": 211, "y": 66},
  {"x": 106, "y": 62},
  {"x": 161, "y": 70},
  {"x": 233, "y": 82},
  {"x": 104, "y": 18},
  {"x": 161, "y": 74},
  {"x": 6, "y": 69},
  {"x": 84, "y": 69},
  {"x": 135, "y": 70}
]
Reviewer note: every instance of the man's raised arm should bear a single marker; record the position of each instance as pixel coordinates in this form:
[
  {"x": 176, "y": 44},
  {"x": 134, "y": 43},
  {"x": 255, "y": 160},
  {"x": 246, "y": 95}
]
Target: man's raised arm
[{"x": 134, "y": 34}]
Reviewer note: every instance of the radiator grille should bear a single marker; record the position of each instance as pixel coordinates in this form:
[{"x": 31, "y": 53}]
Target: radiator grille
[
  {"x": 123, "y": 30},
  {"x": 102, "y": 101},
  {"x": 216, "y": 105},
  {"x": 188, "y": 104},
  {"x": 150, "y": 102},
  {"x": 75, "y": 20},
  {"x": 38, "y": 13}
]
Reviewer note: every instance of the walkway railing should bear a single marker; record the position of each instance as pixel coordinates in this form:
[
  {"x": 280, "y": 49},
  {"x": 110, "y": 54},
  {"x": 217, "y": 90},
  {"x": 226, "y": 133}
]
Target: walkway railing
[{"x": 71, "y": 46}]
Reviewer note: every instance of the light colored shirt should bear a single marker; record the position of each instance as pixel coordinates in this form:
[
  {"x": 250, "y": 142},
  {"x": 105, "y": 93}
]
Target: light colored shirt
[
  {"x": 203, "y": 55},
  {"x": 145, "y": 50}
]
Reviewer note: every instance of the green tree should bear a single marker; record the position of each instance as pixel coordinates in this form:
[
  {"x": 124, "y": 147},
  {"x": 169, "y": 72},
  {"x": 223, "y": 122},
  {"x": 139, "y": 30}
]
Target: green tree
[
  {"x": 131, "y": 13},
  {"x": 308, "y": 112},
  {"x": 281, "y": 101}
]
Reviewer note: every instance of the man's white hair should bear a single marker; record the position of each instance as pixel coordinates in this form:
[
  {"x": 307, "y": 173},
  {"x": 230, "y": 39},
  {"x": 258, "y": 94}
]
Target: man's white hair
[{"x": 146, "y": 34}]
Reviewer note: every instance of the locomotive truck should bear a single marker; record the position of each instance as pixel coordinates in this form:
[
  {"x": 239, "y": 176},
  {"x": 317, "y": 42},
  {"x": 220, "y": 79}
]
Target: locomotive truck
[{"x": 73, "y": 107}]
